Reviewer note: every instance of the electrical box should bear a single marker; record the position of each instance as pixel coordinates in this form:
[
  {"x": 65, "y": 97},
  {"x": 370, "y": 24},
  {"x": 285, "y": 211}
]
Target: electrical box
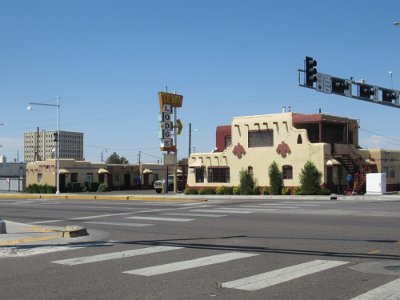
[{"x": 376, "y": 183}]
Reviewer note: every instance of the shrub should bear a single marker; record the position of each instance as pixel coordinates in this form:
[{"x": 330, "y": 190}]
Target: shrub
[
  {"x": 324, "y": 192},
  {"x": 228, "y": 190},
  {"x": 190, "y": 191},
  {"x": 265, "y": 190},
  {"x": 298, "y": 191},
  {"x": 219, "y": 190},
  {"x": 310, "y": 179},
  {"x": 247, "y": 183},
  {"x": 93, "y": 186},
  {"x": 33, "y": 188},
  {"x": 236, "y": 190},
  {"x": 103, "y": 187},
  {"x": 285, "y": 191},
  {"x": 275, "y": 178},
  {"x": 50, "y": 189},
  {"x": 256, "y": 190},
  {"x": 73, "y": 187}
]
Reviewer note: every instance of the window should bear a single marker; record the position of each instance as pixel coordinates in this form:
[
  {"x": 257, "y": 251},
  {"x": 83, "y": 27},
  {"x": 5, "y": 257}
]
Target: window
[
  {"x": 74, "y": 177},
  {"x": 199, "y": 174},
  {"x": 262, "y": 138},
  {"x": 299, "y": 139},
  {"x": 250, "y": 170},
  {"x": 89, "y": 177},
  {"x": 287, "y": 172},
  {"x": 218, "y": 175},
  {"x": 39, "y": 177},
  {"x": 228, "y": 141}
]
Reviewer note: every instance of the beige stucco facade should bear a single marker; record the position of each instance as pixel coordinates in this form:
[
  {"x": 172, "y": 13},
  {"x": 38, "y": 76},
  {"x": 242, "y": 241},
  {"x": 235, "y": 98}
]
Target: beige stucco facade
[
  {"x": 290, "y": 139},
  {"x": 44, "y": 172}
]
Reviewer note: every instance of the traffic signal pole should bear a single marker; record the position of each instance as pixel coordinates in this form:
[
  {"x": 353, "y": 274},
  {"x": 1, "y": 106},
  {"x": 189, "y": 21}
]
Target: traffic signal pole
[{"x": 328, "y": 84}]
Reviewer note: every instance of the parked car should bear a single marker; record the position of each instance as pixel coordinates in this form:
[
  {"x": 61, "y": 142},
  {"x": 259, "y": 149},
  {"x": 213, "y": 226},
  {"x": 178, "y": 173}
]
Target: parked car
[{"x": 159, "y": 184}]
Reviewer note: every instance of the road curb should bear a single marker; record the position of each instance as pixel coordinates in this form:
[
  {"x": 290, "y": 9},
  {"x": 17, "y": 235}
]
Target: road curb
[{"x": 102, "y": 197}]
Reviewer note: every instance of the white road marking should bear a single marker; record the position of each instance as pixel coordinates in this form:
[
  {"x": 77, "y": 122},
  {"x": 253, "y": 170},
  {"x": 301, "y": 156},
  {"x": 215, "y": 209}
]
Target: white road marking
[
  {"x": 162, "y": 219},
  {"x": 44, "y": 222},
  {"x": 389, "y": 291},
  {"x": 22, "y": 252},
  {"x": 267, "y": 279},
  {"x": 114, "y": 255},
  {"x": 118, "y": 223},
  {"x": 226, "y": 211},
  {"x": 102, "y": 216},
  {"x": 195, "y": 215},
  {"x": 279, "y": 205},
  {"x": 189, "y": 264}
]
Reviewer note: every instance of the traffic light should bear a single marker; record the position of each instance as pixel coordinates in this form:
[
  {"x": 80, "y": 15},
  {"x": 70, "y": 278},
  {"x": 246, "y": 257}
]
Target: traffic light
[
  {"x": 366, "y": 91},
  {"x": 388, "y": 95},
  {"x": 311, "y": 71},
  {"x": 339, "y": 85}
]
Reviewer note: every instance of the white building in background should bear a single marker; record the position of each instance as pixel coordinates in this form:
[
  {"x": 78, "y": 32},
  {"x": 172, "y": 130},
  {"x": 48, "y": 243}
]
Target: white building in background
[{"x": 40, "y": 145}]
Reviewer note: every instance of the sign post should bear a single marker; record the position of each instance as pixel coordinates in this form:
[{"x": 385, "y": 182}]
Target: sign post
[{"x": 168, "y": 104}]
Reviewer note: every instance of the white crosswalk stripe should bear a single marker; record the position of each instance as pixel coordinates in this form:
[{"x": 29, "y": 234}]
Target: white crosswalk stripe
[
  {"x": 162, "y": 219},
  {"x": 118, "y": 223},
  {"x": 389, "y": 291},
  {"x": 195, "y": 215},
  {"x": 189, "y": 264},
  {"x": 267, "y": 279},
  {"x": 114, "y": 255},
  {"x": 224, "y": 211}
]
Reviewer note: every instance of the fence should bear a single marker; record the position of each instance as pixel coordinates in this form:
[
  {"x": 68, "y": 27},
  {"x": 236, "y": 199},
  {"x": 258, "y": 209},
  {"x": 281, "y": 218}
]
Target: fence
[{"x": 11, "y": 184}]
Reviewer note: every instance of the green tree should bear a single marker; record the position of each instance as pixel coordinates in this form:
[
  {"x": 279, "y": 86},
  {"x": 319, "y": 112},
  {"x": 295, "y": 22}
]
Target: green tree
[
  {"x": 310, "y": 179},
  {"x": 247, "y": 183},
  {"x": 116, "y": 159},
  {"x": 275, "y": 179}
]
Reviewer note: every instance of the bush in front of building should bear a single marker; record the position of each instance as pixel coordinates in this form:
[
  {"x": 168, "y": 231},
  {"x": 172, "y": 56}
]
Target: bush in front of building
[
  {"x": 92, "y": 186},
  {"x": 310, "y": 179},
  {"x": 224, "y": 190},
  {"x": 275, "y": 178},
  {"x": 190, "y": 191},
  {"x": 236, "y": 190},
  {"x": 74, "y": 187},
  {"x": 247, "y": 183},
  {"x": 103, "y": 187},
  {"x": 39, "y": 188},
  {"x": 206, "y": 191},
  {"x": 285, "y": 190},
  {"x": 266, "y": 191}
]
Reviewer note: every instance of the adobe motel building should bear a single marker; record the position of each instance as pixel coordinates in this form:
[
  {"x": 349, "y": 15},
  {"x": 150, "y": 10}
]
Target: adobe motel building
[{"x": 291, "y": 139}]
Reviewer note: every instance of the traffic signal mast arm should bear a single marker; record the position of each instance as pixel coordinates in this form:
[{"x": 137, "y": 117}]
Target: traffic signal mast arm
[{"x": 325, "y": 83}]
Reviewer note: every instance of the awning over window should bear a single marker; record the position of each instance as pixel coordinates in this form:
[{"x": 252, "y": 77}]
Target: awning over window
[
  {"x": 102, "y": 171},
  {"x": 63, "y": 171},
  {"x": 332, "y": 162},
  {"x": 147, "y": 171}
]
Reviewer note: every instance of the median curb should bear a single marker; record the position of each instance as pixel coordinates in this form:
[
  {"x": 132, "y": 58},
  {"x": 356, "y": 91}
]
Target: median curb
[{"x": 24, "y": 233}]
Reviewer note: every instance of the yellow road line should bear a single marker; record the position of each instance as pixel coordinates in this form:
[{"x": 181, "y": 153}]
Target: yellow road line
[{"x": 377, "y": 251}]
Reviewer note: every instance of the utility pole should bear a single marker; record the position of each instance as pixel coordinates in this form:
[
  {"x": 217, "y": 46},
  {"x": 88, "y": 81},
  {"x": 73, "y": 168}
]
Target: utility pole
[{"x": 190, "y": 139}]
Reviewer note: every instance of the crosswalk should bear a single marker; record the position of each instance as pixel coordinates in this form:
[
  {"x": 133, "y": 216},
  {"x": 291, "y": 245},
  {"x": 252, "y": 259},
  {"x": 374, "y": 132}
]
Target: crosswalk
[
  {"x": 188, "y": 212},
  {"x": 255, "y": 282}
]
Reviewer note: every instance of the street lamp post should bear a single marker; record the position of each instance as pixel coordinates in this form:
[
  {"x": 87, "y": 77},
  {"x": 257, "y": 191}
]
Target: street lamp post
[{"x": 58, "y": 106}]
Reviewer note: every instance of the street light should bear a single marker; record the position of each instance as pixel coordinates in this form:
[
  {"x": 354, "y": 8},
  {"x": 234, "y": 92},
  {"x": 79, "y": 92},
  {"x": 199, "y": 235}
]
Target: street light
[
  {"x": 396, "y": 23},
  {"x": 58, "y": 106}
]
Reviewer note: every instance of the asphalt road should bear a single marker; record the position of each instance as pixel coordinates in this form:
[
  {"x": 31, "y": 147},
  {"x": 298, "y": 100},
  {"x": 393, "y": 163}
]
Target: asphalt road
[{"x": 226, "y": 249}]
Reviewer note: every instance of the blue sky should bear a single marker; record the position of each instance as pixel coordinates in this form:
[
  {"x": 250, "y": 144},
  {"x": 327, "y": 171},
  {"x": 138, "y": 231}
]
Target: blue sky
[{"x": 107, "y": 60}]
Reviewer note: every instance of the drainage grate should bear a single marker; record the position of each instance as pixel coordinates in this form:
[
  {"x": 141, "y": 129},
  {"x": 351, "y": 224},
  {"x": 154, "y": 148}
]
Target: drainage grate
[{"x": 393, "y": 268}]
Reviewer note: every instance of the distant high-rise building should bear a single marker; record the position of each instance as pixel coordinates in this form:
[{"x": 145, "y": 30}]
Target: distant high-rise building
[{"x": 41, "y": 145}]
